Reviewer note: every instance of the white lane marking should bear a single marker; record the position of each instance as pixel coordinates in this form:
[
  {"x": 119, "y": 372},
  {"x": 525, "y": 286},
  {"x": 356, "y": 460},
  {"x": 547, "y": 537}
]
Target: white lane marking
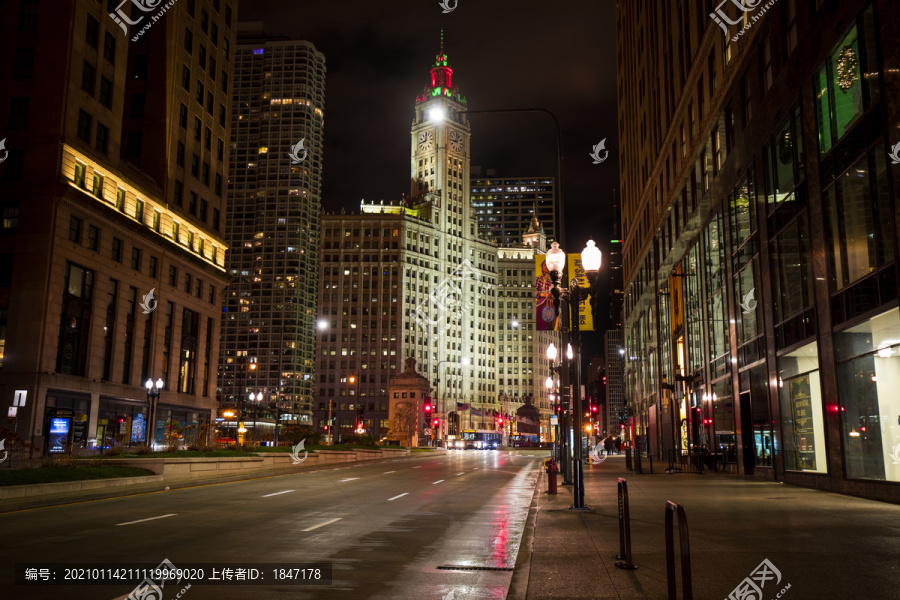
[
  {"x": 438, "y": 481},
  {"x": 458, "y": 474},
  {"x": 322, "y": 524},
  {"x": 277, "y": 493},
  {"x": 150, "y": 519},
  {"x": 419, "y": 467},
  {"x": 400, "y": 496},
  {"x": 386, "y": 472},
  {"x": 350, "y": 479}
]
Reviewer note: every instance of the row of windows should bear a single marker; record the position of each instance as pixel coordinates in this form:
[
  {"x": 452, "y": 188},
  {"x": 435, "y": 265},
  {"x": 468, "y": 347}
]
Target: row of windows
[
  {"x": 91, "y": 239},
  {"x": 193, "y": 242}
]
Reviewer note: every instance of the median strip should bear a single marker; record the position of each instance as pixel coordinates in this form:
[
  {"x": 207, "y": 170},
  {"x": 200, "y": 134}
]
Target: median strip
[
  {"x": 149, "y": 519},
  {"x": 323, "y": 524}
]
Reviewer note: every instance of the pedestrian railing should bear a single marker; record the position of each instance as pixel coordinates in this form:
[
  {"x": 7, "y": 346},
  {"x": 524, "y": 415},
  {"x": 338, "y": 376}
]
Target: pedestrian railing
[
  {"x": 687, "y": 592},
  {"x": 624, "y": 529}
]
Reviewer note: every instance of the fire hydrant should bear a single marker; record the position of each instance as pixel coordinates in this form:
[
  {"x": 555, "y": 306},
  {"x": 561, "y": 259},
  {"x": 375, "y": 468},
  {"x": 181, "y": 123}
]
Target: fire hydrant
[{"x": 552, "y": 470}]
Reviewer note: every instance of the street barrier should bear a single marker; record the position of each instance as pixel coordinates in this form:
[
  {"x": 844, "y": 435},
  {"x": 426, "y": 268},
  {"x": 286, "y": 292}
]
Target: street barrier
[
  {"x": 687, "y": 590},
  {"x": 624, "y": 529}
]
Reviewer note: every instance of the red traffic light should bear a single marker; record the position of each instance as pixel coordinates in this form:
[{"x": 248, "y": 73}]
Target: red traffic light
[
  {"x": 436, "y": 422},
  {"x": 326, "y": 428},
  {"x": 427, "y": 408},
  {"x": 594, "y": 408}
]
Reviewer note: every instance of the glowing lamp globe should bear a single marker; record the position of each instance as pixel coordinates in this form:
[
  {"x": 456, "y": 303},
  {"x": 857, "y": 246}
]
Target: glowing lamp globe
[
  {"x": 556, "y": 258},
  {"x": 591, "y": 257},
  {"x": 551, "y": 352}
]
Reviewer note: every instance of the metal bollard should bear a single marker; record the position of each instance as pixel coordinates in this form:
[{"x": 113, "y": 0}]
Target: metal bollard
[
  {"x": 687, "y": 589},
  {"x": 624, "y": 529},
  {"x": 552, "y": 470}
]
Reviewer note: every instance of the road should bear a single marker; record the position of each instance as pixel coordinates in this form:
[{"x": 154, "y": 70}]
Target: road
[{"x": 385, "y": 527}]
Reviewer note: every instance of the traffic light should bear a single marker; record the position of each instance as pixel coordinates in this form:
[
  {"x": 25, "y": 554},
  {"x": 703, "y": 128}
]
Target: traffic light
[
  {"x": 436, "y": 423},
  {"x": 427, "y": 406},
  {"x": 594, "y": 408}
]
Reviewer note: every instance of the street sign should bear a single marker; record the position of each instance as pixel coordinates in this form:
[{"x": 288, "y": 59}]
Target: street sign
[
  {"x": 427, "y": 431},
  {"x": 11, "y": 413},
  {"x": 554, "y": 420},
  {"x": 19, "y": 397}
]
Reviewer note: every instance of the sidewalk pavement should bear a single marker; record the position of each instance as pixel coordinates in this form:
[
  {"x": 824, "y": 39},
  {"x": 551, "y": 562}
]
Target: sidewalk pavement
[{"x": 825, "y": 545}]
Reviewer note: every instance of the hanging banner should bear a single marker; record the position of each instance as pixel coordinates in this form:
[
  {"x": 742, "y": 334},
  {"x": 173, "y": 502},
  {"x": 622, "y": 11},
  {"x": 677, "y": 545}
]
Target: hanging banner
[
  {"x": 545, "y": 315},
  {"x": 578, "y": 278}
]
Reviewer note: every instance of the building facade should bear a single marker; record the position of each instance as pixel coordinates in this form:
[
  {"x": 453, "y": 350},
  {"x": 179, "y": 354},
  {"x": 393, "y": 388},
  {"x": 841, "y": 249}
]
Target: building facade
[
  {"x": 274, "y": 206},
  {"x": 113, "y": 253},
  {"x": 505, "y": 206},
  {"x": 761, "y": 309},
  {"x": 414, "y": 279}
]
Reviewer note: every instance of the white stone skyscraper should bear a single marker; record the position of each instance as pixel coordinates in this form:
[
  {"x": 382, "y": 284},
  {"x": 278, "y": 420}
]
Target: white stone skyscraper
[{"x": 272, "y": 225}]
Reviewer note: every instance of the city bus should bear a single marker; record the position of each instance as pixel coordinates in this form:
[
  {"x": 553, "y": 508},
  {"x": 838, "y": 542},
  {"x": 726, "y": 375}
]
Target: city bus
[{"x": 480, "y": 439}]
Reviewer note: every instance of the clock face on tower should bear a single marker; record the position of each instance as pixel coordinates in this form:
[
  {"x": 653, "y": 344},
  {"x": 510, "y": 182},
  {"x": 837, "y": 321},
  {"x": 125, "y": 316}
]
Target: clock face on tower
[
  {"x": 426, "y": 140},
  {"x": 456, "y": 141}
]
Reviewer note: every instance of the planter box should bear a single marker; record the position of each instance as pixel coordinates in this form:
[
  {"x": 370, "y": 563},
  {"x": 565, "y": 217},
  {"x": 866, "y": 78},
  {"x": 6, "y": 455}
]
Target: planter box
[{"x": 64, "y": 487}]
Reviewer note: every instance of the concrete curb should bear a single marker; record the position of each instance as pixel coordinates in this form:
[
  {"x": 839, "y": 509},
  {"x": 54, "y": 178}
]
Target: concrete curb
[
  {"x": 118, "y": 490},
  {"x": 518, "y": 586}
]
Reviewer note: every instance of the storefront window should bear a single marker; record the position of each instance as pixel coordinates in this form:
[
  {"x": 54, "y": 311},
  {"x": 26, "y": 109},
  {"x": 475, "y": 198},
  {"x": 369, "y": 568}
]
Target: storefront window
[
  {"x": 121, "y": 423},
  {"x": 800, "y": 393},
  {"x": 868, "y": 380},
  {"x": 66, "y": 422}
]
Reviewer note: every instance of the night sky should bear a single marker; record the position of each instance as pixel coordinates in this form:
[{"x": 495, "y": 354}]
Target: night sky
[{"x": 555, "y": 55}]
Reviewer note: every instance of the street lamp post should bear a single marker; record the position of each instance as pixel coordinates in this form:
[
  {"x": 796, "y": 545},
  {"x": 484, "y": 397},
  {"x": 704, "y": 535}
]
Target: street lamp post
[
  {"x": 153, "y": 389},
  {"x": 568, "y": 299}
]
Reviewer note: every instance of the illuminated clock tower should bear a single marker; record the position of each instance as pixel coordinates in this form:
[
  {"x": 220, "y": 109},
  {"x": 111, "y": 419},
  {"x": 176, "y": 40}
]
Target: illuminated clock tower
[{"x": 440, "y": 148}]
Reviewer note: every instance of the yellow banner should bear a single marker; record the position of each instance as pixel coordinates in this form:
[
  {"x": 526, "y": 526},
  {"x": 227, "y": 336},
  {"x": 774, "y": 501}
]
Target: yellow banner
[{"x": 578, "y": 277}]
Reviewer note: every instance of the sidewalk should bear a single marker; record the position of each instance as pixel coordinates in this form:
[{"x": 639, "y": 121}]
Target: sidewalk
[{"x": 825, "y": 545}]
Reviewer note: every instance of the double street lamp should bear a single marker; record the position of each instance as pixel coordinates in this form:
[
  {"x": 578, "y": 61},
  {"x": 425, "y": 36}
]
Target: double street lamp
[
  {"x": 153, "y": 389},
  {"x": 567, "y": 300}
]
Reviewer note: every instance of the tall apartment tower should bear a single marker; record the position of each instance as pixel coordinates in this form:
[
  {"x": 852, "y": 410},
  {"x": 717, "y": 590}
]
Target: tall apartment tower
[
  {"x": 505, "y": 206},
  {"x": 761, "y": 245},
  {"x": 112, "y": 252},
  {"x": 274, "y": 206}
]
